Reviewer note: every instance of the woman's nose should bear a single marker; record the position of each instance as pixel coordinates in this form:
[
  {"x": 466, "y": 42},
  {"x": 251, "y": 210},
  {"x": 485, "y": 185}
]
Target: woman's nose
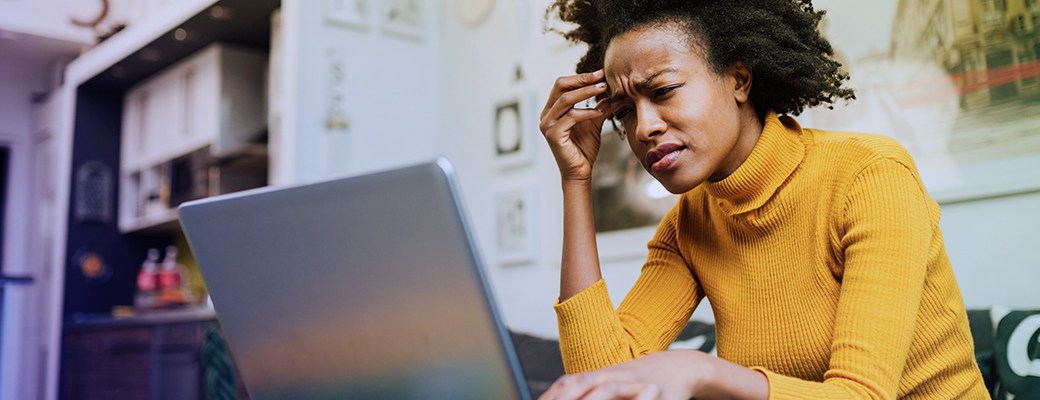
[{"x": 648, "y": 123}]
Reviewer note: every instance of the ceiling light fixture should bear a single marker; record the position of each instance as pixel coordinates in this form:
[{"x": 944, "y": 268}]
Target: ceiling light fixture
[
  {"x": 151, "y": 55},
  {"x": 181, "y": 34},
  {"x": 221, "y": 13}
]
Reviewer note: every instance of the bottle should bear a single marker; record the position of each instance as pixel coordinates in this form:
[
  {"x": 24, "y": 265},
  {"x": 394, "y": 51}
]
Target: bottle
[
  {"x": 171, "y": 279},
  {"x": 147, "y": 281}
]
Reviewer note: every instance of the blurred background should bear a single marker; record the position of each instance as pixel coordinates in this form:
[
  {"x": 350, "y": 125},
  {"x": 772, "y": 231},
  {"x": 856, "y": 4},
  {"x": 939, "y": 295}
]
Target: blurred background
[{"x": 113, "y": 112}]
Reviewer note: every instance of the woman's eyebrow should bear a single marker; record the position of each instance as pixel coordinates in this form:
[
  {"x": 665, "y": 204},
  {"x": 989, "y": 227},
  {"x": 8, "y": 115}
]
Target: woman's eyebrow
[{"x": 641, "y": 85}]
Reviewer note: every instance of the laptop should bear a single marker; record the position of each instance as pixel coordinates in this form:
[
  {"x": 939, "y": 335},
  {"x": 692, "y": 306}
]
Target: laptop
[{"x": 366, "y": 287}]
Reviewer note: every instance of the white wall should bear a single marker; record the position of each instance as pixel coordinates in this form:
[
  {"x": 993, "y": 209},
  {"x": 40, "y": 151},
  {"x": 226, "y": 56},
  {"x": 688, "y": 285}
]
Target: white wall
[
  {"x": 993, "y": 247},
  {"x": 389, "y": 92},
  {"x": 15, "y": 90},
  {"x": 477, "y": 71},
  {"x": 15, "y": 128},
  {"x": 26, "y": 308},
  {"x": 989, "y": 241}
]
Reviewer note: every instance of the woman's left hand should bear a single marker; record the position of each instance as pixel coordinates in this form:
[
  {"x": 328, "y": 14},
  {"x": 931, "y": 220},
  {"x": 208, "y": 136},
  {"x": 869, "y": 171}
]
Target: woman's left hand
[{"x": 663, "y": 375}]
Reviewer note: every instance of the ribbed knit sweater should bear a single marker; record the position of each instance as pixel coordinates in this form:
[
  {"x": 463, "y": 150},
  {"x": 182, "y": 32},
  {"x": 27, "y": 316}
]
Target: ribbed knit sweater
[{"x": 823, "y": 262}]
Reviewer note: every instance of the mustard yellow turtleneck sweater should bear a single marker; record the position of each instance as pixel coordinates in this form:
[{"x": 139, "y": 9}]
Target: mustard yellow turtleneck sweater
[{"x": 823, "y": 262}]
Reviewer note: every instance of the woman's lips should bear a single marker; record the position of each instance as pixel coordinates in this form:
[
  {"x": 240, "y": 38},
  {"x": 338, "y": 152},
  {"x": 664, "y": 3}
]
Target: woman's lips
[{"x": 663, "y": 157}]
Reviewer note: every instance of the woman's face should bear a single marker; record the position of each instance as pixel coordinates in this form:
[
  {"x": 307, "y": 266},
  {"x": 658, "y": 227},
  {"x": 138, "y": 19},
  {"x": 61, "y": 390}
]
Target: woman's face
[{"x": 684, "y": 122}]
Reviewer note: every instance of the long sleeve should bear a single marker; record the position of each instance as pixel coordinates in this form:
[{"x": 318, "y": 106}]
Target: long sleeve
[
  {"x": 593, "y": 335},
  {"x": 886, "y": 236}
]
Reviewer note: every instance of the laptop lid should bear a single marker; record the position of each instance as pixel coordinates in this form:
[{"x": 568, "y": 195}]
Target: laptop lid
[{"x": 361, "y": 287}]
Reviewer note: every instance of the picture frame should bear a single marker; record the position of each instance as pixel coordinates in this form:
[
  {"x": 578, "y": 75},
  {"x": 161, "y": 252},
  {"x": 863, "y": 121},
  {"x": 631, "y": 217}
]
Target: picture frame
[
  {"x": 513, "y": 141},
  {"x": 405, "y": 19},
  {"x": 624, "y": 195},
  {"x": 515, "y": 226},
  {"x": 957, "y": 84},
  {"x": 627, "y": 202},
  {"x": 354, "y": 14}
]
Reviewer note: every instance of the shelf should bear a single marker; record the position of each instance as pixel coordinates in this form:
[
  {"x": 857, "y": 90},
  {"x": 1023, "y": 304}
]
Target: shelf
[
  {"x": 159, "y": 224},
  {"x": 247, "y": 154}
]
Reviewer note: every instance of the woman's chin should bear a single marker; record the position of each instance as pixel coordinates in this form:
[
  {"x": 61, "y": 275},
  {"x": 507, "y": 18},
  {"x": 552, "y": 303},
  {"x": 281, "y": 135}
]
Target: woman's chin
[
  {"x": 677, "y": 187},
  {"x": 680, "y": 181}
]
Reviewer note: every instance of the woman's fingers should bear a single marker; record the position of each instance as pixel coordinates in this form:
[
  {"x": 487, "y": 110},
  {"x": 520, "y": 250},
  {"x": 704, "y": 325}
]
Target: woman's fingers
[
  {"x": 597, "y": 114},
  {"x": 573, "y": 133},
  {"x": 570, "y": 386},
  {"x": 566, "y": 101},
  {"x": 600, "y": 385},
  {"x": 565, "y": 84},
  {"x": 555, "y": 129},
  {"x": 614, "y": 390}
]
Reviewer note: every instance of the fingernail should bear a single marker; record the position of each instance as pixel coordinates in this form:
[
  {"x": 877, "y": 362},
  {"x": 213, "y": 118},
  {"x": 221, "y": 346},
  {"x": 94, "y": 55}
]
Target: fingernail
[
  {"x": 601, "y": 85},
  {"x": 601, "y": 111}
]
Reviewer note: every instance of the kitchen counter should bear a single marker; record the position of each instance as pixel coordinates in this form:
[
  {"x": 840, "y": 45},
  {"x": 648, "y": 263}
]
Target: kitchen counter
[{"x": 145, "y": 318}]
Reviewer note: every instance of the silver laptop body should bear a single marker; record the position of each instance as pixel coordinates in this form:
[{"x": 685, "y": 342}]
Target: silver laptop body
[{"x": 366, "y": 287}]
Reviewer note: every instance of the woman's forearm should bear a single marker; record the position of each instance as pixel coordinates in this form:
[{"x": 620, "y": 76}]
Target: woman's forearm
[{"x": 580, "y": 262}]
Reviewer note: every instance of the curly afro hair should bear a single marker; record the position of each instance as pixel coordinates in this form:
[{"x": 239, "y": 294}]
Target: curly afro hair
[{"x": 778, "y": 40}]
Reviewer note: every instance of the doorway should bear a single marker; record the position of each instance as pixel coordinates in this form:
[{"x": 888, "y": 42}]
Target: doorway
[{"x": 5, "y": 156}]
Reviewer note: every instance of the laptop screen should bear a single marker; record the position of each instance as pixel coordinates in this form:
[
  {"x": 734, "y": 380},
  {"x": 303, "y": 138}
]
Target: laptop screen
[{"x": 362, "y": 287}]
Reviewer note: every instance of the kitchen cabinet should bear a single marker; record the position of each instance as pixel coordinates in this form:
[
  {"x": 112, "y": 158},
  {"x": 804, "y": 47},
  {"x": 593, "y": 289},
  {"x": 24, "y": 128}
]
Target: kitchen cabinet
[
  {"x": 147, "y": 121},
  {"x": 154, "y": 358},
  {"x": 186, "y": 131}
]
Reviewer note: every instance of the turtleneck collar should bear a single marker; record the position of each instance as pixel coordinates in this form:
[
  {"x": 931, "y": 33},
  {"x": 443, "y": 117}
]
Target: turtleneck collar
[{"x": 775, "y": 156}]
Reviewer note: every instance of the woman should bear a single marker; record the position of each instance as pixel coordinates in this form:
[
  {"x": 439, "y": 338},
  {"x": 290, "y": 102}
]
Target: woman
[{"x": 820, "y": 252}]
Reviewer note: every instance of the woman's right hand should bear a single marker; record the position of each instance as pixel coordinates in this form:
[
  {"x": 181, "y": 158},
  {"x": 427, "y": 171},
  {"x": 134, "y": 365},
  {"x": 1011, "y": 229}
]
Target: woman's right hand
[{"x": 573, "y": 134}]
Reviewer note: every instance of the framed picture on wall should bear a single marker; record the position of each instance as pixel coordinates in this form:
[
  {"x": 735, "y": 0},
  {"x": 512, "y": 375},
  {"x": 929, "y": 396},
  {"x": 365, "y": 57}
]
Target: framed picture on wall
[
  {"x": 957, "y": 83},
  {"x": 511, "y": 138},
  {"x": 624, "y": 195},
  {"x": 403, "y": 18},
  {"x": 356, "y": 14},
  {"x": 515, "y": 226},
  {"x": 627, "y": 203}
]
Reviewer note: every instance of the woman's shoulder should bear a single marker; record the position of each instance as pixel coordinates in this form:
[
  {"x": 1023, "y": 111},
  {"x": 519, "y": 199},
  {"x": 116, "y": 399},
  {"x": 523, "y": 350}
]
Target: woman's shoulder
[{"x": 857, "y": 149}]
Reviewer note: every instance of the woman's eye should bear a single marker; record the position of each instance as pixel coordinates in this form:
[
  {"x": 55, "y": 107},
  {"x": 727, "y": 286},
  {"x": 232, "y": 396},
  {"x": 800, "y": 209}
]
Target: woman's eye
[
  {"x": 621, "y": 113},
  {"x": 663, "y": 91}
]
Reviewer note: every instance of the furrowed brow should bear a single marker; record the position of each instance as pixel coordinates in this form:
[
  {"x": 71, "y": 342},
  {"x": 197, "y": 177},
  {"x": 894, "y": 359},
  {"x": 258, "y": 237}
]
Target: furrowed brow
[{"x": 641, "y": 85}]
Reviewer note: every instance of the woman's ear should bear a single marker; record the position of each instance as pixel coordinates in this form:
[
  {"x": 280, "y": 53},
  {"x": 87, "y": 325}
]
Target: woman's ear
[{"x": 742, "y": 81}]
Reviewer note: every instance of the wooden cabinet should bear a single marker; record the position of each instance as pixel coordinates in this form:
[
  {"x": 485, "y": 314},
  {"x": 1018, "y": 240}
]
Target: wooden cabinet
[
  {"x": 184, "y": 121},
  {"x": 127, "y": 360}
]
